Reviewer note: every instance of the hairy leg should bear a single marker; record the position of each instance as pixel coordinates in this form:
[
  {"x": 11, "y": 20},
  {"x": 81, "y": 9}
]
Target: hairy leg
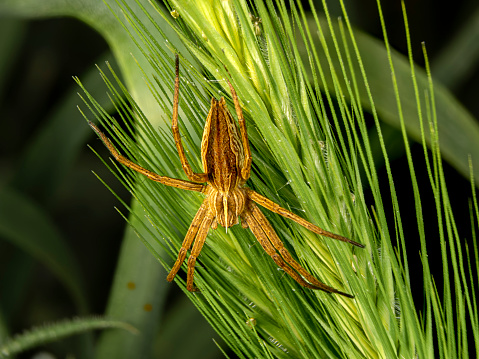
[
  {"x": 188, "y": 241},
  {"x": 195, "y": 252},
  {"x": 269, "y": 249},
  {"x": 278, "y": 244},
  {"x": 192, "y": 176},
  {"x": 168, "y": 181},
  {"x": 246, "y": 170},
  {"x": 276, "y": 208}
]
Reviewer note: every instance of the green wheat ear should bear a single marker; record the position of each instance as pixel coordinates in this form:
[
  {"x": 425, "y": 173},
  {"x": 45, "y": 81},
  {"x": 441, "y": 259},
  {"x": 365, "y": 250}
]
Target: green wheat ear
[{"x": 311, "y": 152}]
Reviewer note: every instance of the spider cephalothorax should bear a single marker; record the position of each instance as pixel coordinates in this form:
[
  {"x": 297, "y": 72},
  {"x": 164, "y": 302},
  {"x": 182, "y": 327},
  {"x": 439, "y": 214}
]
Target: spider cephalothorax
[{"x": 226, "y": 158}]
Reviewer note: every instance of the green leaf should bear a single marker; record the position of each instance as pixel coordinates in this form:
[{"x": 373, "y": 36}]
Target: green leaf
[
  {"x": 56, "y": 331},
  {"x": 54, "y": 149},
  {"x": 9, "y": 46},
  {"x": 137, "y": 297},
  {"x": 181, "y": 319},
  {"x": 3, "y": 329},
  {"x": 458, "y": 58},
  {"x": 459, "y": 130},
  {"x": 27, "y": 226}
]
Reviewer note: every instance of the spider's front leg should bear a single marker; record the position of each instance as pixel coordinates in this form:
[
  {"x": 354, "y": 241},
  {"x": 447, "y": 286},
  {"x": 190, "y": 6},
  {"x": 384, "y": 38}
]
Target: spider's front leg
[
  {"x": 192, "y": 176},
  {"x": 246, "y": 170},
  {"x": 168, "y": 181}
]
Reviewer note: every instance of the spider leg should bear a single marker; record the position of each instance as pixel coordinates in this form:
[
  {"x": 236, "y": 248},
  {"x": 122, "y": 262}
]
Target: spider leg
[
  {"x": 269, "y": 249},
  {"x": 246, "y": 170},
  {"x": 268, "y": 232},
  {"x": 276, "y": 208},
  {"x": 192, "y": 176},
  {"x": 188, "y": 241},
  {"x": 195, "y": 252},
  {"x": 168, "y": 181}
]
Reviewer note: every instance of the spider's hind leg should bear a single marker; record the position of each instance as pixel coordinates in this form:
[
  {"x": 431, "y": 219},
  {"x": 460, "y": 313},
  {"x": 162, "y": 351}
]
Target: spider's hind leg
[
  {"x": 270, "y": 241},
  {"x": 244, "y": 223},
  {"x": 269, "y": 249},
  {"x": 276, "y": 208}
]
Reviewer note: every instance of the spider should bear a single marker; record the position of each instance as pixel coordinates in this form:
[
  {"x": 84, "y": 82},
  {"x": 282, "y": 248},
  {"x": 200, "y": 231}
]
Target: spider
[{"x": 226, "y": 158}]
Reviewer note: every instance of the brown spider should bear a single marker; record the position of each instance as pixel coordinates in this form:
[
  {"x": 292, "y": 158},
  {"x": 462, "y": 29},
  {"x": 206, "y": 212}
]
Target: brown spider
[{"x": 226, "y": 158}]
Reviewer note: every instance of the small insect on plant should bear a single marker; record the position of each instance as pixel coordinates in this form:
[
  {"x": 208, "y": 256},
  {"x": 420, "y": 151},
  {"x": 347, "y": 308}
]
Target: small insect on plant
[{"x": 226, "y": 158}]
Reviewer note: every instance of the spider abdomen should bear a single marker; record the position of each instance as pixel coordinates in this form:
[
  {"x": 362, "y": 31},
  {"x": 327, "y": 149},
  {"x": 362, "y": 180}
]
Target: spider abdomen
[{"x": 226, "y": 206}]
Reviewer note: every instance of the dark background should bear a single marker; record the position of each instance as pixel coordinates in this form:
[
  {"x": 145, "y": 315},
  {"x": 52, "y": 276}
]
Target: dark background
[{"x": 40, "y": 72}]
